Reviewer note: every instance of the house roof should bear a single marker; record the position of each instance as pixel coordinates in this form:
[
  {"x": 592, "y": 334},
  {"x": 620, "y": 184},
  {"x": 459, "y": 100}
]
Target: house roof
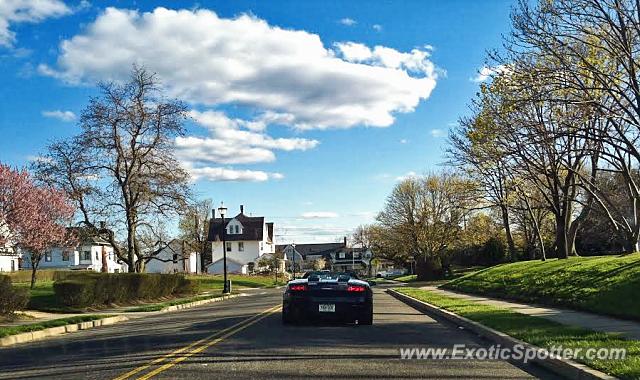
[
  {"x": 305, "y": 250},
  {"x": 252, "y": 228},
  {"x": 89, "y": 236}
]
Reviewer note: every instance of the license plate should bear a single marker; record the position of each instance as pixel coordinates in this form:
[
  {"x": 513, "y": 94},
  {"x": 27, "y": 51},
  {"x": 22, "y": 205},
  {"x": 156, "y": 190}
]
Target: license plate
[{"x": 327, "y": 308}]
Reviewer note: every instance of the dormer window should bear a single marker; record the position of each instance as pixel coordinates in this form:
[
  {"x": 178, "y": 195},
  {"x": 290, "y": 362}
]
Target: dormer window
[{"x": 234, "y": 228}]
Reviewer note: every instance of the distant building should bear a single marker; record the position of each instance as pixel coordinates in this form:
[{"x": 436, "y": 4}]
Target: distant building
[
  {"x": 337, "y": 256},
  {"x": 91, "y": 254},
  {"x": 175, "y": 257},
  {"x": 247, "y": 238},
  {"x": 9, "y": 258},
  {"x": 306, "y": 254}
]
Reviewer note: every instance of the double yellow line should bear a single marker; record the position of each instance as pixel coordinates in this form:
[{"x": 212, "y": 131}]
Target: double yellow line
[{"x": 184, "y": 353}]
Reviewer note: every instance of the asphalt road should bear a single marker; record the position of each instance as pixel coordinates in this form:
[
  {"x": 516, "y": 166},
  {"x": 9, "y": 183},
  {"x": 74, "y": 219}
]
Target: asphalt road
[{"x": 244, "y": 338}]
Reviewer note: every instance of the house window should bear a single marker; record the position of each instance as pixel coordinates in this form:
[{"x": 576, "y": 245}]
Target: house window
[
  {"x": 86, "y": 255},
  {"x": 97, "y": 257},
  {"x": 341, "y": 255},
  {"x": 47, "y": 256},
  {"x": 65, "y": 255},
  {"x": 175, "y": 258},
  {"x": 356, "y": 255},
  {"x": 228, "y": 247},
  {"x": 241, "y": 246},
  {"x": 237, "y": 229},
  {"x": 230, "y": 230}
]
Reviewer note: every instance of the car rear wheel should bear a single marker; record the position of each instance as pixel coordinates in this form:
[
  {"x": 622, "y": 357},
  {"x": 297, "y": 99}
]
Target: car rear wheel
[
  {"x": 286, "y": 317},
  {"x": 366, "y": 318}
]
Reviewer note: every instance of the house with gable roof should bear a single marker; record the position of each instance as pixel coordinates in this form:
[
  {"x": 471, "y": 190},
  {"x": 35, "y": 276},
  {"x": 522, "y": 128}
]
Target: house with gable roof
[{"x": 247, "y": 239}]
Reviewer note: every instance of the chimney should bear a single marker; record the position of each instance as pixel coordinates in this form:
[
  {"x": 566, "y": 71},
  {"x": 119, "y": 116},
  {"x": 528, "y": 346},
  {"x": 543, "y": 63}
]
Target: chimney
[
  {"x": 242, "y": 209},
  {"x": 345, "y": 242},
  {"x": 103, "y": 224},
  {"x": 213, "y": 213}
]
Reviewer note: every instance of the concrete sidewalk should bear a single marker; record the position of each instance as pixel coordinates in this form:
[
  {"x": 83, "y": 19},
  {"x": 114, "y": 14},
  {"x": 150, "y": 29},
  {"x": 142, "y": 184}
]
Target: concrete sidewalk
[{"x": 628, "y": 329}]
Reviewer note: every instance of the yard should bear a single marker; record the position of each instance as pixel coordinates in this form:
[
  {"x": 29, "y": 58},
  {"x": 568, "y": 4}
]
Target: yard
[{"x": 43, "y": 297}]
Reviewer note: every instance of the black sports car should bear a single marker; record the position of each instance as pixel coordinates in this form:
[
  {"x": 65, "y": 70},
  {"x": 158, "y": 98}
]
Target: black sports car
[{"x": 328, "y": 296}]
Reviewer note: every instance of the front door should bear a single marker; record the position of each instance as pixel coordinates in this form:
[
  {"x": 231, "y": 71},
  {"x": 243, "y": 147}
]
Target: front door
[{"x": 13, "y": 265}]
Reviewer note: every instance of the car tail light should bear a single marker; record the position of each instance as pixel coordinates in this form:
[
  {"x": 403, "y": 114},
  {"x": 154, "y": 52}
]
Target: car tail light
[
  {"x": 297, "y": 288},
  {"x": 355, "y": 288}
]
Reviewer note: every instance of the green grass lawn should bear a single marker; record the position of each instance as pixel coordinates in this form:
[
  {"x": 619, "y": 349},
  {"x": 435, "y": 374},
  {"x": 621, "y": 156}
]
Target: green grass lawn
[
  {"x": 12, "y": 330},
  {"x": 541, "y": 332},
  {"x": 604, "y": 284}
]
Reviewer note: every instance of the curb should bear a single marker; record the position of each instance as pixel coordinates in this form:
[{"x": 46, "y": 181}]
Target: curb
[
  {"x": 60, "y": 330},
  {"x": 197, "y": 303},
  {"x": 563, "y": 367}
]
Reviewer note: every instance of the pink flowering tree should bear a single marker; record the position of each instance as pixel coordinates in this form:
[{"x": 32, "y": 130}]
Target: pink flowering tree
[{"x": 32, "y": 217}]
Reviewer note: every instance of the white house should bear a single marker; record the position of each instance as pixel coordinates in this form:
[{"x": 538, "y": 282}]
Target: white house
[
  {"x": 91, "y": 254},
  {"x": 9, "y": 258},
  {"x": 247, "y": 239},
  {"x": 175, "y": 257}
]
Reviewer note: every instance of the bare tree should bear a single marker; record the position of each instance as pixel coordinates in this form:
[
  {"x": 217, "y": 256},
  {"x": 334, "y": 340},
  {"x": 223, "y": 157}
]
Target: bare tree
[
  {"x": 194, "y": 228},
  {"x": 427, "y": 214},
  {"x": 121, "y": 168},
  {"x": 592, "y": 46}
]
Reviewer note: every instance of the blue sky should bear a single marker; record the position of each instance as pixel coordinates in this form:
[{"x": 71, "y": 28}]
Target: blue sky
[{"x": 316, "y": 108}]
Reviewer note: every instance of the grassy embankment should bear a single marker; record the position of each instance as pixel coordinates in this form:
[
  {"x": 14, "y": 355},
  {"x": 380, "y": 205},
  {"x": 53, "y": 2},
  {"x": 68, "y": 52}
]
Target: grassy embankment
[
  {"x": 541, "y": 332},
  {"x": 604, "y": 284},
  {"x": 456, "y": 272}
]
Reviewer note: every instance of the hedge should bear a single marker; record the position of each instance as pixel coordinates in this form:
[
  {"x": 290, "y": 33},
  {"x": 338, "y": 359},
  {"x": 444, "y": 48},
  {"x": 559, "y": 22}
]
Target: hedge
[
  {"x": 11, "y": 299},
  {"x": 82, "y": 289},
  {"x": 41, "y": 275}
]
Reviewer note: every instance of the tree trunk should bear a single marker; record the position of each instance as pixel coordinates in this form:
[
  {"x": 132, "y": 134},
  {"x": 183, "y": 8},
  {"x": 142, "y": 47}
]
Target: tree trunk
[
  {"x": 428, "y": 268},
  {"x": 34, "y": 269},
  {"x": 507, "y": 229},
  {"x": 105, "y": 266},
  {"x": 562, "y": 246}
]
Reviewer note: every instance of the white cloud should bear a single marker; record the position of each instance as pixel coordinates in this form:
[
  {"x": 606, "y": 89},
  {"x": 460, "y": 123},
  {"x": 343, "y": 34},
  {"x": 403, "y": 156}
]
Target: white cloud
[
  {"x": 288, "y": 75},
  {"x": 35, "y": 158},
  {"x": 408, "y": 175},
  {"x": 348, "y": 21},
  {"x": 60, "y": 115},
  {"x": 486, "y": 72},
  {"x": 377, "y": 27},
  {"x": 319, "y": 215},
  {"x": 404, "y": 141},
  {"x": 287, "y": 233},
  {"x": 416, "y": 61},
  {"x": 438, "y": 133},
  {"x": 26, "y": 11},
  {"x": 232, "y": 141},
  {"x": 365, "y": 214},
  {"x": 227, "y": 174},
  {"x": 229, "y": 143}
]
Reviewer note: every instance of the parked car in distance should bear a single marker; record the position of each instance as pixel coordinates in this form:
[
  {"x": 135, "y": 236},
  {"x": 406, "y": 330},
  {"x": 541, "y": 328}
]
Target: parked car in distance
[
  {"x": 390, "y": 273},
  {"x": 328, "y": 296}
]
